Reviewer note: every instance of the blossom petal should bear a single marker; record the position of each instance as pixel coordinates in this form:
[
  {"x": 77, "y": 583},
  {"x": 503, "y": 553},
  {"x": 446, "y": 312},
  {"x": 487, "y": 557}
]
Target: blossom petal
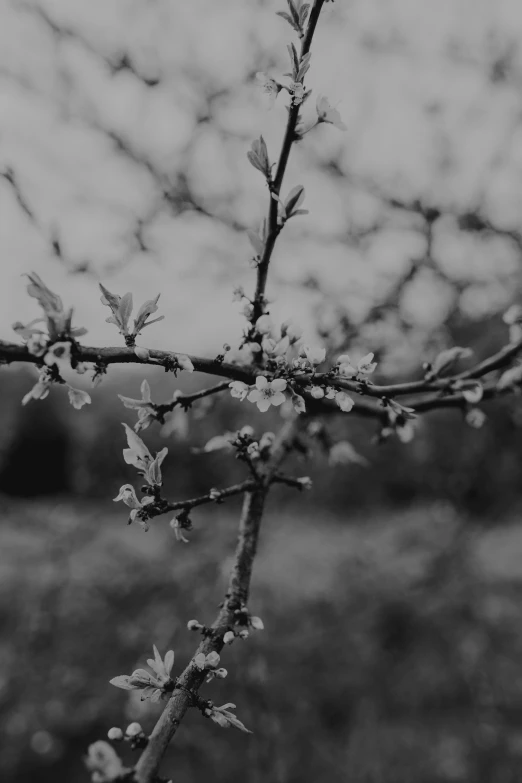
[
  {"x": 169, "y": 661},
  {"x": 122, "y": 682}
]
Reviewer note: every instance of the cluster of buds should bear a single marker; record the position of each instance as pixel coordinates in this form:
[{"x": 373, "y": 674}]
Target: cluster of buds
[
  {"x": 121, "y": 309},
  {"x": 55, "y": 344},
  {"x": 400, "y": 421},
  {"x": 262, "y": 341},
  {"x": 138, "y": 455},
  {"x": 243, "y": 622},
  {"x": 133, "y": 734},
  {"x": 360, "y": 370},
  {"x": 210, "y": 664},
  {"x": 147, "y": 411}
]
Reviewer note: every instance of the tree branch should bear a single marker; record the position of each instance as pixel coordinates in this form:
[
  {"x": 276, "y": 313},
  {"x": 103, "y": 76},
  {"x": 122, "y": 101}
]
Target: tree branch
[
  {"x": 275, "y": 185},
  {"x": 214, "y": 496},
  {"x": 186, "y": 400},
  {"x": 189, "y": 682},
  {"x": 438, "y": 391}
]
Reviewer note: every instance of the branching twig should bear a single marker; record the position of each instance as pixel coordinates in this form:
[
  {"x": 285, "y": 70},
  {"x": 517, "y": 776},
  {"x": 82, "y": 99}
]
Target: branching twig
[
  {"x": 214, "y": 496},
  {"x": 192, "y": 677},
  {"x": 439, "y": 391},
  {"x": 275, "y": 185}
]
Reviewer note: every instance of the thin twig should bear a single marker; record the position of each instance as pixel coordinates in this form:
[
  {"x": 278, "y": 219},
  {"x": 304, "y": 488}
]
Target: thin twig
[
  {"x": 214, "y": 496},
  {"x": 186, "y": 400},
  {"x": 275, "y": 186}
]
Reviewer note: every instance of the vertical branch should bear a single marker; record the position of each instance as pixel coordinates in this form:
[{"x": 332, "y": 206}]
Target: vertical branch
[
  {"x": 189, "y": 682},
  {"x": 192, "y": 678},
  {"x": 275, "y": 186}
]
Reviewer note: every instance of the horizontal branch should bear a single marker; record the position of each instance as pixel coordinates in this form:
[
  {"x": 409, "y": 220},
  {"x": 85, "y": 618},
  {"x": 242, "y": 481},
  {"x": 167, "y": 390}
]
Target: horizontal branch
[
  {"x": 214, "y": 496},
  {"x": 497, "y": 361},
  {"x": 437, "y": 392},
  {"x": 186, "y": 400},
  {"x": 11, "y": 352}
]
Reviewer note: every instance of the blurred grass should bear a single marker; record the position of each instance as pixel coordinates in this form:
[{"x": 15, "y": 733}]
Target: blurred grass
[{"x": 391, "y": 650}]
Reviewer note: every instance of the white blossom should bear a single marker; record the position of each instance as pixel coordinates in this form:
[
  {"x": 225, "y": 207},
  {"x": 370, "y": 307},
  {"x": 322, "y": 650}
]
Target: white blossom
[
  {"x": 298, "y": 403},
  {"x": 327, "y": 113},
  {"x": 292, "y": 331},
  {"x": 78, "y": 398},
  {"x": 475, "y": 418},
  {"x": 185, "y": 363},
  {"x": 41, "y": 389},
  {"x": 152, "y": 686},
  {"x": 103, "y": 761},
  {"x": 359, "y": 370},
  {"x": 267, "y": 393},
  {"x": 270, "y": 87},
  {"x": 344, "y": 401},
  {"x": 314, "y": 354},
  {"x": 264, "y": 324},
  {"x": 473, "y": 393},
  {"x": 238, "y": 389},
  {"x": 127, "y": 494}
]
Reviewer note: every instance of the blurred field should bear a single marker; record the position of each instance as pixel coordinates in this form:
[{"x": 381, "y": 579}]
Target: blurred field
[{"x": 391, "y": 650}]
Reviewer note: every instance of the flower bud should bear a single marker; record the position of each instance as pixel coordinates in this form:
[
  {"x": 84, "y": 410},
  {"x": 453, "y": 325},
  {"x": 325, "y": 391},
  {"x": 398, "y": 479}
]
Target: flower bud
[
  {"x": 185, "y": 363},
  {"x": 212, "y": 660},
  {"x": 257, "y": 623},
  {"x": 229, "y": 637},
  {"x": 264, "y": 324},
  {"x": 221, "y": 673},
  {"x": 194, "y": 625},
  {"x": 243, "y": 634},
  {"x": 133, "y": 729},
  {"x": 115, "y": 733}
]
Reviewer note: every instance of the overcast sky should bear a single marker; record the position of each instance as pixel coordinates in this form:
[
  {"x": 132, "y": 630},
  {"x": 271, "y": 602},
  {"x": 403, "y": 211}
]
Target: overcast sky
[{"x": 124, "y": 128}]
